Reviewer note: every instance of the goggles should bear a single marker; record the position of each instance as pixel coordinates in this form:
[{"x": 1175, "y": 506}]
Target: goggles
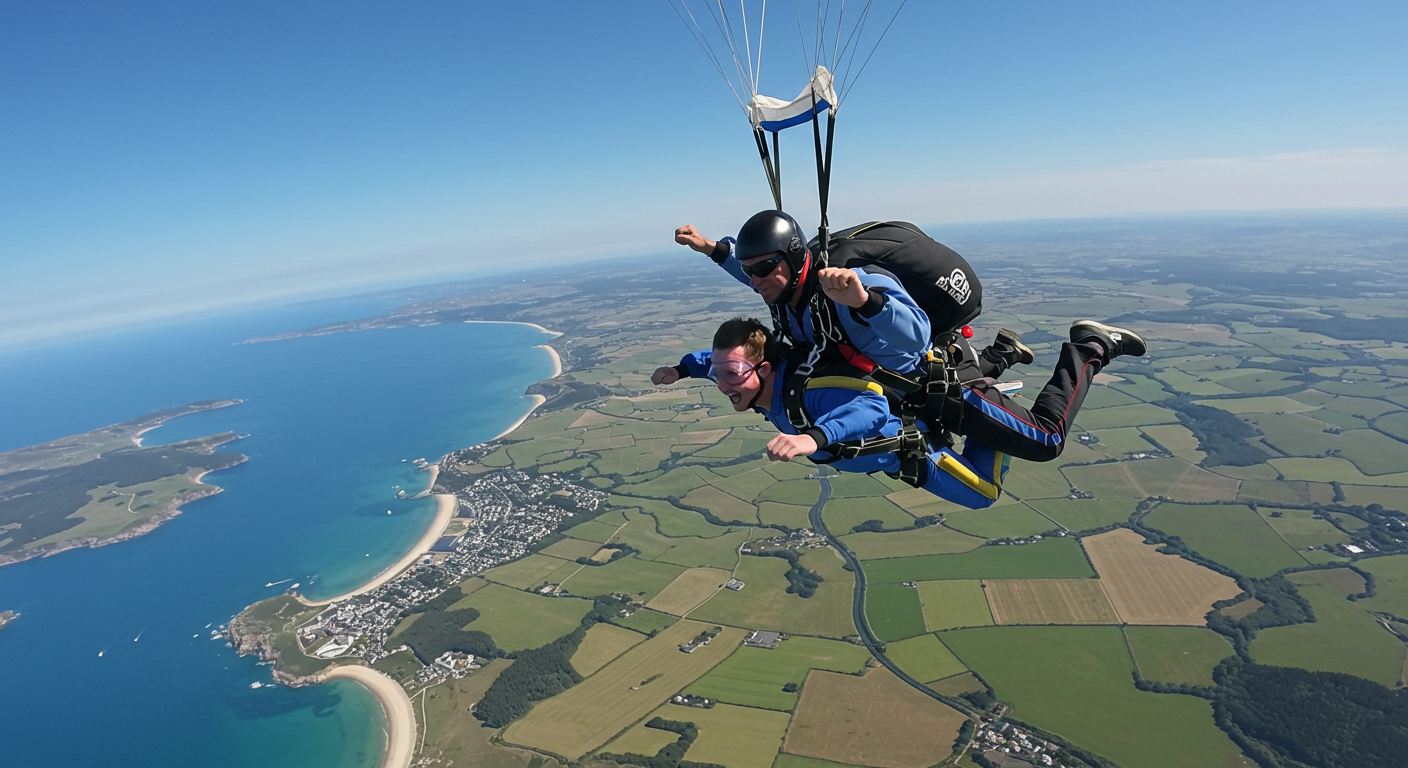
[
  {"x": 733, "y": 372},
  {"x": 762, "y": 268}
]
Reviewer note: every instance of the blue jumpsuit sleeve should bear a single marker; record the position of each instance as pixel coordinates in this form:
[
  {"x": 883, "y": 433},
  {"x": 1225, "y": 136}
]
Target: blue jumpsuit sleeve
[
  {"x": 697, "y": 363},
  {"x": 730, "y": 264},
  {"x": 848, "y": 414},
  {"x": 898, "y": 336}
]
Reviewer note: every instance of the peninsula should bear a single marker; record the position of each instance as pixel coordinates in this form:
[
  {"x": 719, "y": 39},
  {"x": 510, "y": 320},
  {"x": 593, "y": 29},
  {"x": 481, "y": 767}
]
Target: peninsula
[{"x": 103, "y": 486}]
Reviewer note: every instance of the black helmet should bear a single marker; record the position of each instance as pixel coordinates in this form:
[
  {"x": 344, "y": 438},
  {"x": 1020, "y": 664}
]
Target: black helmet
[{"x": 771, "y": 232}]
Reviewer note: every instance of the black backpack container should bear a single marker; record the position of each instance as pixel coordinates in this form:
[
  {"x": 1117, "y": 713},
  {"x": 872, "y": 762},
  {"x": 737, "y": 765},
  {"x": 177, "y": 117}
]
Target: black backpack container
[{"x": 942, "y": 283}]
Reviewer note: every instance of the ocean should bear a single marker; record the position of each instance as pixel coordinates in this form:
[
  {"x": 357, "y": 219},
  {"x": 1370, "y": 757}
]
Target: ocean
[{"x": 333, "y": 423}]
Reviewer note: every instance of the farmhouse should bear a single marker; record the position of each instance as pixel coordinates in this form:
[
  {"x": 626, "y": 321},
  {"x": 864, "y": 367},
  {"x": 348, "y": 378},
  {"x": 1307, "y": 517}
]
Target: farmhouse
[{"x": 762, "y": 639}]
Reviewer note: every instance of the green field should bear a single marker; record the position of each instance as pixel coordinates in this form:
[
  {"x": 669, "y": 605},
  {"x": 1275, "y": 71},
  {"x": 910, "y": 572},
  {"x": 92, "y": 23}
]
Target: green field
[
  {"x": 646, "y": 621},
  {"x": 570, "y": 549},
  {"x": 455, "y": 739},
  {"x": 518, "y": 620},
  {"x": 1125, "y": 416},
  {"x": 631, "y": 575},
  {"x": 1235, "y": 536},
  {"x": 737, "y": 737},
  {"x": 777, "y": 513},
  {"x": 525, "y": 573},
  {"x": 1300, "y": 528},
  {"x": 1012, "y": 522},
  {"x": 603, "y": 642},
  {"x": 1077, "y": 682},
  {"x": 893, "y": 611},
  {"x": 1036, "y": 481},
  {"x": 841, "y": 515},
  {"x": 952, "y": 604},
  {"x": 1344, "y": 637},
  {"x": 1183, "y": 655},
  {"x": 1085, "y": 514},
  {"x": 1391, "y": 584},
  {"x": 1120, "y": 441},
  {"x": 850, "y": 484},
  {"x": 765, "y": 604},
  {"x": 754, "y": 677},
  {"x": 930, "y": 540},
  {"x": 587, "y": 715},
  {"x": 1050, "y": 558},
  {"x": 924, "y": 658}
]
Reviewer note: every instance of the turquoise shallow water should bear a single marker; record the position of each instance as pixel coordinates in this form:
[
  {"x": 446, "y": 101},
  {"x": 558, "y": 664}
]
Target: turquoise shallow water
[{"x": 330, "y": 420}]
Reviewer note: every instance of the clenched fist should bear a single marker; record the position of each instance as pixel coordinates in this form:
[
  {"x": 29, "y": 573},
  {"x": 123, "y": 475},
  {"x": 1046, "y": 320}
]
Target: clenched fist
[
  {"x": 842, "y": 286},
  {"x": 788, "y": 447}
]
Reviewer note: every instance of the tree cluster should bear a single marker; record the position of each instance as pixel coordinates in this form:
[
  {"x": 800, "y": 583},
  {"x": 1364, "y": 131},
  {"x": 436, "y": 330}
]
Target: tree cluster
[
  {"x": 801, "y": 581},
  {"x": 536, "y": 674},
  {"x": 671, "y": 755},
  {"x": 436, "y": 632},
  {"x": 1221, "y": 435},
  {"x": 618, "y": 551},
  {"x": 1322, "y": 719},
  {"x": 539, "y": 673}
]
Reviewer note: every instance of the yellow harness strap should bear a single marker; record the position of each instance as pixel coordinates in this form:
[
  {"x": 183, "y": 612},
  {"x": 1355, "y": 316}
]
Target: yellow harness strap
[
  {"x": 844, "y": 382},
  {"x": 969, "y": 478}
]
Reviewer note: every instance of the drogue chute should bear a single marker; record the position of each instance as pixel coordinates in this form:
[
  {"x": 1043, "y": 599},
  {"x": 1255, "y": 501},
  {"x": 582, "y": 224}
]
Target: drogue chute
[{"x": 835, "y": 44}]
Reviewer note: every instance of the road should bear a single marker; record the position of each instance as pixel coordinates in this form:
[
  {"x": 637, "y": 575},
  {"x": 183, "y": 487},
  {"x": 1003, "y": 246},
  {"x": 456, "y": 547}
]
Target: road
[{"x": 858, "y": 604}]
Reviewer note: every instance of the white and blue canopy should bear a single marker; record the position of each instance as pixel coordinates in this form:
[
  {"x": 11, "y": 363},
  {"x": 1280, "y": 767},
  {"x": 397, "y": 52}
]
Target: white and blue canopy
[{"x": 775, "y": 114}]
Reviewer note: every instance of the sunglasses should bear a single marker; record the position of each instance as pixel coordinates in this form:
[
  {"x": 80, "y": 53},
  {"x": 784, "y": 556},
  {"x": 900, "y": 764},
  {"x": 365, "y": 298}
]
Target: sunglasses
[
  {"x": 732, "y": 372},
  {"x": 764, "y": 267}
]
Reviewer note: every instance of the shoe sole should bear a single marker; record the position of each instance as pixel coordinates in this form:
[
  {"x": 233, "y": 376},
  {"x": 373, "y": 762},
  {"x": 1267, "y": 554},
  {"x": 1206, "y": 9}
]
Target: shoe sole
[{"x": 1109, "y": 331}]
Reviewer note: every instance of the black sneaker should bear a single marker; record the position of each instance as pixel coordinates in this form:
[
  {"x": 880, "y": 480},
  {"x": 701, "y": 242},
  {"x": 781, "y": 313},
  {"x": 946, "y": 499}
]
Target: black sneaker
[
  {"x": 1116, "y": 341},
  {"x": 1009, "y": 340}
]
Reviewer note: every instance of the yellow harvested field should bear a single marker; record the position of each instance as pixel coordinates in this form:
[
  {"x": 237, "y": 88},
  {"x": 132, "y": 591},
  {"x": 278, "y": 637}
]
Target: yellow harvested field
[
  {"x": 702, "y": 437},
  {"x": 1149, "y": 588},
  {"x": 688, "y": 590},
  {"x": 1049, "y": 601},
  {"x": 594, "y": 711},
  {"x": 870, "y": 720},
  {"x": 591, "y": 419},
  {"x": 603, "y": 643}
]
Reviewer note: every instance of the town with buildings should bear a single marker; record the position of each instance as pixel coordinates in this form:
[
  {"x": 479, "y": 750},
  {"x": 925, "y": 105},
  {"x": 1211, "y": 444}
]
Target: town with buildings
[{"x": 502, "y": 512}]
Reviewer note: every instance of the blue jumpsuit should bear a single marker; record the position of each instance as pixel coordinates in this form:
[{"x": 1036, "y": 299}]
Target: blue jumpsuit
[
  {"x": 972, "y": 479},
  {"x": 896, "y": 336}
]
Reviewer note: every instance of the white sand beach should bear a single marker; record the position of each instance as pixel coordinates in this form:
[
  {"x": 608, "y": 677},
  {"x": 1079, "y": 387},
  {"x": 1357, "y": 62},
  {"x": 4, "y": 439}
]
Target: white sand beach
[
  {"x": 447, "y": 504},
  {"x": 400, "y": 717}
]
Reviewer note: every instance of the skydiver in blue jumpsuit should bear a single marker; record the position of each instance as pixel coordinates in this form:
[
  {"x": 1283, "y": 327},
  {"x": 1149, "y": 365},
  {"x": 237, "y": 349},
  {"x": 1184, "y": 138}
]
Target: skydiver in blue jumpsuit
[
  {"x": 884, "y": 324},
  {"x": 745, "y": 365}
]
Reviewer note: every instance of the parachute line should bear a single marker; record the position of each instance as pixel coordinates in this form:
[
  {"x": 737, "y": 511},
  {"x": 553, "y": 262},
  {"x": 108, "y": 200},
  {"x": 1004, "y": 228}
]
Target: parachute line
[
  {"x": 693, "y": 26},
  {"x": 839, "y": 98}
]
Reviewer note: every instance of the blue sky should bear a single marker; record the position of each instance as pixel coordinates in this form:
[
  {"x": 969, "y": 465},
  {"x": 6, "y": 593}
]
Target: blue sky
[{"x": 164, "y": 158}]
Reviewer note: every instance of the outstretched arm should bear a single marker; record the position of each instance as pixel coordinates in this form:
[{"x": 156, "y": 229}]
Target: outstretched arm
[
  {"x": 719, "y": 251},
  {"x": 688, "y": 235}
]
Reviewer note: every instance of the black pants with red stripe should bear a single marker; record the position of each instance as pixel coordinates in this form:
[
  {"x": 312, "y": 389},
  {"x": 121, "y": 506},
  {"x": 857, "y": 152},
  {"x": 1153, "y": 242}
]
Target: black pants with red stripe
[{"x": 979, "y": 412}]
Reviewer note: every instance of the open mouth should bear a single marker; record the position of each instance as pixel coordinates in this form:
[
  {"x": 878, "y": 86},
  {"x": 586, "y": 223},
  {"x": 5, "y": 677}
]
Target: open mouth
[{"x": 735, "y": 398}]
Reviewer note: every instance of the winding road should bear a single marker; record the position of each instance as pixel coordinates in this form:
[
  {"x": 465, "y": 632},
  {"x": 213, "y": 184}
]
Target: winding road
[{"x": 858, "y": 603}]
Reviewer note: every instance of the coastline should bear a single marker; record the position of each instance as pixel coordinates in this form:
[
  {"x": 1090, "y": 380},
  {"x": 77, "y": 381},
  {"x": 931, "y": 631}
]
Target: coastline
[
  {"x": 395, "y": 705},
  {"x": 538, "y": 400},
  {"x": 447, "y": 505},
  {"x": 517, "y": 322}
]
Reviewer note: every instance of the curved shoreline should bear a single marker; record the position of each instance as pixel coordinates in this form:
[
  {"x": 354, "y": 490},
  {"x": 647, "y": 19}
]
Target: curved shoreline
[
  {"x": 538, "y": 400},
  {"x": 395, "y": 705},
  {"x": 401, "y": 726},
  {"x": 447, "y": 505},
  {"x": 516, "y": 322}
]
